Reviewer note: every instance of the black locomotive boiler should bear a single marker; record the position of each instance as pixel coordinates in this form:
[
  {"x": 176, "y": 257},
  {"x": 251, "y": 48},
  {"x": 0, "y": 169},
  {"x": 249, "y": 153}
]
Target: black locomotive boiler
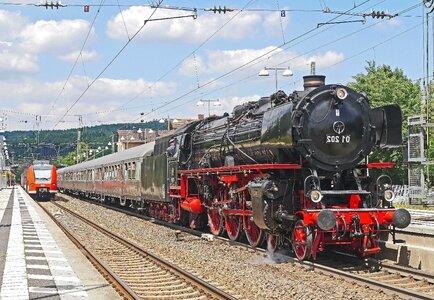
[{"x": 287, "y": 167}]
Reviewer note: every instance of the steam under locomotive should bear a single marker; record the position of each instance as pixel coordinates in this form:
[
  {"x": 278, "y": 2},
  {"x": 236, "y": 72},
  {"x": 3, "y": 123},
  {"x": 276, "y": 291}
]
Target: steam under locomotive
[{"x": 290, "y": 168}]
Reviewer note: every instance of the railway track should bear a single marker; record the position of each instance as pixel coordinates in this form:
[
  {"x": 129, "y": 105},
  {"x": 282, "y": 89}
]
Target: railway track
[
  {"x": 404, "y": 282},
  {"x": 135, "y": 272}
]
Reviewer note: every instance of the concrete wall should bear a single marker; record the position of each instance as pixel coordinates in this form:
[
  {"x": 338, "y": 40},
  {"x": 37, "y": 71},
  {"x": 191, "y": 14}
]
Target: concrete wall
[{"x": 415, "y": 248}]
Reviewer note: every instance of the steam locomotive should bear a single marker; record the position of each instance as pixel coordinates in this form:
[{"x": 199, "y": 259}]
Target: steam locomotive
[{"x": 289, "y": 168}]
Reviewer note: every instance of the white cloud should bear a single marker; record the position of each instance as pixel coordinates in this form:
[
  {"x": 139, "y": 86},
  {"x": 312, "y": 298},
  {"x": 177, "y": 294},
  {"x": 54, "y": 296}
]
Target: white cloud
[
  {"x": 36, "y": 96},
  {"x": 55, "y": 37},
  {"x": 17, "y": 62},
  {"x": 222, "y": 61},
  {"x": 192, "y": 65},
  {"x": 274, "y": 23},
  {"x": 9, "y": 30},
  {"x": 21, "y": 42},
  {"x": 185, "y": 29},
  {"x": 85, "y": 56},
  {"x": 228, "y": 104}
]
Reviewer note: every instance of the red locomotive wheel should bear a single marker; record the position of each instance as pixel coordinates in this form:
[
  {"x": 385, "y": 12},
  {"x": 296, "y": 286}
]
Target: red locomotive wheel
[
  {"x": 302, "y": 240},
  {"x": 271, "y": 243},
  {"x": 215, "y": 221},
  {"x": 233, "y": 227},
  {"x": 254, "y": 234}
]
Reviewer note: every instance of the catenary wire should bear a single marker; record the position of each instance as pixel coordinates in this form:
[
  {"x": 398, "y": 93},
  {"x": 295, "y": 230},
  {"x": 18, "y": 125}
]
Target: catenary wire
[
  {"x": 78, "y": 57},
  {"x": 326, "y": 44},
  {"x": 107, "y": 66},
  {"x": 186, "y": 57}
]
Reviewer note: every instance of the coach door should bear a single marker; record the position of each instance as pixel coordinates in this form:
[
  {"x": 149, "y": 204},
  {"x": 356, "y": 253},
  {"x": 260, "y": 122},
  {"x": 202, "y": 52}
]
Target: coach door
[{"x": 172, "y": 168}]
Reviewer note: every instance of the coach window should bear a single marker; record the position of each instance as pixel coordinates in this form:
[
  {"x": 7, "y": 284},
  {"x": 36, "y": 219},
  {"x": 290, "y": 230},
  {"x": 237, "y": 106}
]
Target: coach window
[
  {"x": 138, "y": 170},
  {"x": 133, "y": 170},
  {"x": 118, "y": 172},
  {"x": 126, "y": 171}
]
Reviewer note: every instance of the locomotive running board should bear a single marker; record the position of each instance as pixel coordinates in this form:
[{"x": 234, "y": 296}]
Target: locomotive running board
[
  {"x": 346, "y": 192},
  {"x": 351, "y": 209}
]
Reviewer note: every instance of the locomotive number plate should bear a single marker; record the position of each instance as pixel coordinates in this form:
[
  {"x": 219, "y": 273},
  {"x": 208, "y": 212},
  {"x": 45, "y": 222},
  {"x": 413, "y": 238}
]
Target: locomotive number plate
[{"x": 338, "y": 139}]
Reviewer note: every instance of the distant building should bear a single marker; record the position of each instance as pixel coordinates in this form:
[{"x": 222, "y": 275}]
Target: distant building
[
  {"x": 131, "y": 138},
  {"x": 177, "y": 123}
]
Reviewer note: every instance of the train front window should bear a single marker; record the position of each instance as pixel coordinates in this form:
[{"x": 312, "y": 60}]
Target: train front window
[{"x": 43, "y": 175}]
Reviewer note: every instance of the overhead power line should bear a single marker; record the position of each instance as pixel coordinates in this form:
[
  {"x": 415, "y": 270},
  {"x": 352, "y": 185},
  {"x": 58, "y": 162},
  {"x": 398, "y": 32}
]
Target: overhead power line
[
  {"x": 117, "y": 55},
  {"x": 246, "y": 64},
  {"x": 107, "y": 66},
  {"x": 186, "y": 57},
  {"x": 123, "y": 108},
  {"x": 78, "y": 56},
  {"x": 338, "y": 39}
]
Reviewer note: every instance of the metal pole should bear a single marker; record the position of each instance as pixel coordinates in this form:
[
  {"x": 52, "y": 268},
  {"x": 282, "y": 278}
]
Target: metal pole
[
  {"x": 275, "y": 73},
  {"x": 113, "y": 143},
  {"x": 78, "y": 145}
]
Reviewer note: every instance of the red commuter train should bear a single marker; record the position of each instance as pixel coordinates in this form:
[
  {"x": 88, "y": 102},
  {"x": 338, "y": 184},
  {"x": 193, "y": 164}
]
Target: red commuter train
[{"x": 40, "y": 180}]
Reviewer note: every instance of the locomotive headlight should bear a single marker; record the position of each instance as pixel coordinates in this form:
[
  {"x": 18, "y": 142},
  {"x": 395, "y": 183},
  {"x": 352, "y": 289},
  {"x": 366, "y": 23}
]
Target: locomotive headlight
[
  {"x": 315, "y": 196},
  {"x": 341, "y": 93},
  {"x": 389, "y": 195}
]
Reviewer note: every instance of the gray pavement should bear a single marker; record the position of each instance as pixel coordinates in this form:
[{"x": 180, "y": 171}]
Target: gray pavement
[{"x": 37, "y": 260}]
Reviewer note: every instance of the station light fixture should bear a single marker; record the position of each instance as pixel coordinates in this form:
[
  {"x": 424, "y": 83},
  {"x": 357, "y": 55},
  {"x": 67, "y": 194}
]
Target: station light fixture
[
  {"x": 264, "y": 72},
  {"x": 315, "y": 196},
  {"x": 389, "y": 195},
  {"x": 288, "y": 72}
]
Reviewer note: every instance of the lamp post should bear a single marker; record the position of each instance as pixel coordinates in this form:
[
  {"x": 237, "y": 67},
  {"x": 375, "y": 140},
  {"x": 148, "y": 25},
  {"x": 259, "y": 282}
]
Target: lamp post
[
  {"x": 128, "y": 139},
  {"x": 215, "y": 102},
  {"x": 163, "y": 120},
  {"x": 287, "y": 72},
  {"x": 145, "y": 131}
]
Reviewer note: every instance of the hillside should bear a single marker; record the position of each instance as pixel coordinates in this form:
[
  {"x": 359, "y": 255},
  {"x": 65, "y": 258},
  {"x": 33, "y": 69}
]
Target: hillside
[{"x": 24, "y": 145}]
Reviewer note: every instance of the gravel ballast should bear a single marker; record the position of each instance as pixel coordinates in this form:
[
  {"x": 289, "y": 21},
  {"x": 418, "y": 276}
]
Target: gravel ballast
[{"x": 242, "y": 272}]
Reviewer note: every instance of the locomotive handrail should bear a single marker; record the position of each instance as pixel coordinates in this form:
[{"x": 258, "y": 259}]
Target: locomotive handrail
[
  {"x": 371, "y": 209},
  {"x": 240, "y": 168},
  {"x": 338, "y": 235},
  {"x": 345, "y": 192},
  {"x": 377, "y": 227}
]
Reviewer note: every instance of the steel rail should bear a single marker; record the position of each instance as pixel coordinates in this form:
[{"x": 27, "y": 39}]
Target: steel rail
[
  {"x": 360, "y": 279},
  {"x": 407, "y": 293},
  {"x": 207, "y": 288},
  {"x": 119, "y": 285}
]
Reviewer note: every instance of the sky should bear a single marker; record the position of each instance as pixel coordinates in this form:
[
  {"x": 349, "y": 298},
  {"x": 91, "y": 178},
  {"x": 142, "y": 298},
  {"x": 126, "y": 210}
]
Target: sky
[{"x": 123, "y": 61}]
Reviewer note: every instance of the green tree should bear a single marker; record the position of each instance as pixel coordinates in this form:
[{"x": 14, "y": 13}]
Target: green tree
[{"x": 385, "y": 86}]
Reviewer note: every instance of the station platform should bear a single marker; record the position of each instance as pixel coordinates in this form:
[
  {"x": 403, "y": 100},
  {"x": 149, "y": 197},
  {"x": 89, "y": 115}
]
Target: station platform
[
  {"x": 415, "y": 243},
  {"x": 37, "y": 261}
]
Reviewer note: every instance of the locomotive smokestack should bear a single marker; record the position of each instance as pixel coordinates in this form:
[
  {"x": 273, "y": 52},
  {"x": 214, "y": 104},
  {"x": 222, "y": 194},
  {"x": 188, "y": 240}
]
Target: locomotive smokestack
[{"x": 313, "y": 81}]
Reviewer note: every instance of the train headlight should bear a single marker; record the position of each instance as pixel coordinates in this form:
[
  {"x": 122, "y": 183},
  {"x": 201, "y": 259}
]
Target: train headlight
[
  {"x": 389, "y": 195},
  {"x": 341, "y": 93},
  {"x": 315, "y": 196}
]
